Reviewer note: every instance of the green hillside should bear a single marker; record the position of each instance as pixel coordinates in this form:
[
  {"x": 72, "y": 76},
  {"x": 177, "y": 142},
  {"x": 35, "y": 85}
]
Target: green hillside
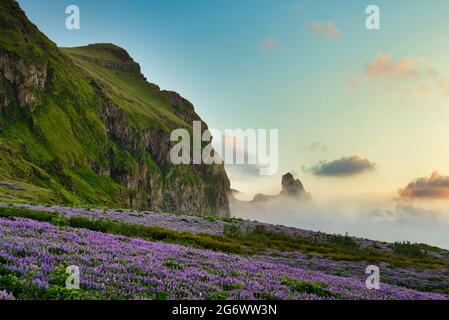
[{"x": 82, "y": 126}]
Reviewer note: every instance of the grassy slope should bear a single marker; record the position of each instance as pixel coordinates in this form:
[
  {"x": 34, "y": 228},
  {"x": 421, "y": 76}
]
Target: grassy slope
[
  {"x": 48, "y": 151},
  {"x": 34, "y": 145},
  {"x": 143, "y": 101}
]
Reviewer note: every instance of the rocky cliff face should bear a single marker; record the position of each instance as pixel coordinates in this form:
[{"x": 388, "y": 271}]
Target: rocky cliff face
[
  {"x": 172, "y": 192},
  {"x": 26, "y": 80},
  {"x": 82, "y": 125}
]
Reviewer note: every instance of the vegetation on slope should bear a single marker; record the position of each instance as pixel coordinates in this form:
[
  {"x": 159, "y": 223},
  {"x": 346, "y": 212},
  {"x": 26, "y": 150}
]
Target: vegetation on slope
[
  {"x": 83, "y": 126},
  {"x": 248, "y": 242}
]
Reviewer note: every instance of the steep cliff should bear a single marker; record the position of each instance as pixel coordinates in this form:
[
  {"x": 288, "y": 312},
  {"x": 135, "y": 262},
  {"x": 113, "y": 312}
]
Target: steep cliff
[{"x": 83, "y": 126}]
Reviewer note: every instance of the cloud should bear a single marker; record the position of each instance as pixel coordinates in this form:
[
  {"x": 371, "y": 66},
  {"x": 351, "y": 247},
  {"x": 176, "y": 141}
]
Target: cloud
[
  {"x": 374, "y": 220},
  {"x": 403, "y": 212},
  {"x": 242, "y": 171},
  {"x": 269, "y": 43},
  {"x": 301, "y": 6},
  {"x": 407, "y": 76},
  {"x": 325, "y": 29},
  {"x": 384, "y": 66},
  {"x": 315, "y": 147},
  {"x": 435, "y": 187},
  {"x": 352, "y": 81},
  {"x": 344, "y": 167}
]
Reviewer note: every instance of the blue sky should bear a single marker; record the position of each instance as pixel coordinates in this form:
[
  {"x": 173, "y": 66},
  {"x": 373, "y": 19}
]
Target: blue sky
[{"x": 259, "y": 64}]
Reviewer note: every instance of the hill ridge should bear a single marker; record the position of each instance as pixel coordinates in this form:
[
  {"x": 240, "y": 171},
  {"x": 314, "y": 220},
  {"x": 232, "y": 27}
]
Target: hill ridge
[{"x": 83, "y": 126}]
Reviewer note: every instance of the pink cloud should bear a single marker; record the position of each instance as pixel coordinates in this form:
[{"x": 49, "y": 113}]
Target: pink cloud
[
  {"x": 384, "y": 66},
  {"x": 409, "y": 76},
  {"x": 434, "y": 187},
  {"x": 325, "y": 29},
  {"x": 352, "y": 81}
]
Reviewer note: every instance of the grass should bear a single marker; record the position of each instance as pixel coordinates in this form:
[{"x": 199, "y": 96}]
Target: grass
[
  {"x": 143, "y": 102},
  {"x": 24, "y": 192}
]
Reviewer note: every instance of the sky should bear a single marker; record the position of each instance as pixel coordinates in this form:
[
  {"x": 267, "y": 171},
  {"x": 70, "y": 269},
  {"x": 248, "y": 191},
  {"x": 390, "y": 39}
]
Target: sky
[{"x": 361, "y": 113}]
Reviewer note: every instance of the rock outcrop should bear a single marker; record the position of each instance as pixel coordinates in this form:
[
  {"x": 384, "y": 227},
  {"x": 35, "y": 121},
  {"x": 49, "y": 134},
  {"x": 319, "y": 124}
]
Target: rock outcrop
[
  {"x": 292, "y": 189},
  {"x": 26, "y": 79}
]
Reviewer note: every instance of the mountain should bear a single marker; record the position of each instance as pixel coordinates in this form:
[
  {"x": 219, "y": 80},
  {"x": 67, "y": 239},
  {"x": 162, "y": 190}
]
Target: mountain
[
  {"x": 291, "y": 189},
  {"x": 83, "y": 126}
]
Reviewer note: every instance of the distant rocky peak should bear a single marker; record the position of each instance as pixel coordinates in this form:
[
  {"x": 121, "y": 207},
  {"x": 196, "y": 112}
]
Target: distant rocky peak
[{"x": 291, "y": 187}]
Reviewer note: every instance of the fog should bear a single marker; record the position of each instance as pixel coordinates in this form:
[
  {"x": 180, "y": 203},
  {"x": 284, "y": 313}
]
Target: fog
[{"x": 389, "y": 220}]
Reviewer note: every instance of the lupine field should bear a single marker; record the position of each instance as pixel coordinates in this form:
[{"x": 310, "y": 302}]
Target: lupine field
[{"x": 34, "y": 255}]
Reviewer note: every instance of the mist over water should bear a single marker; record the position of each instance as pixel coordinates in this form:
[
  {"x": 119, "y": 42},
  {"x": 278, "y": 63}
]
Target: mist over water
[{"x": 386, "y": 221}]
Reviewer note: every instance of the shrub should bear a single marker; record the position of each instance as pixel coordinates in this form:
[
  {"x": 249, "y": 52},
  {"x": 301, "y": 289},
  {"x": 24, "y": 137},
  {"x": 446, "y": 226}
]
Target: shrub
[
  {"x": 62, "y": 293},
  {"x": 59, "y": 221},
  {"x": 301, "y": 286},
  {"x": 12, "y": 284},
  {"x": 343, "y": 241},
  {"x": 408, "y": 249},
  {"x": 232, "y": 231},
  {"x": 218, "y": 296},
  {"x": 59, "y": 276},
  {"x": 172, "y": 264}
]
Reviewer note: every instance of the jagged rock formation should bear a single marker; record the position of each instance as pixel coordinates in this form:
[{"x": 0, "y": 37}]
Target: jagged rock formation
[
  {"x": 291, "y": 189},
  {"x": 83, "y": 126}
]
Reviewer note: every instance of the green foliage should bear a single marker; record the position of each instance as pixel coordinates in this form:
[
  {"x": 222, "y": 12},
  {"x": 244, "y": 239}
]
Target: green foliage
[
  {"x": 232, "y": 231},
  {"x": 59, "y": 221},
  {"x": 232, "y": 286},
  {"x": 316, "y": 288},
  {"x": 408, "y": 249},
  {"x": 173, "y": 265},
  {"x": 343, "y": 241},
  {"x": 435, "y": 279},
  {"x": 23, "y": 290},
  {"x": 20, "y": 289},
  {"x": 59, "y": 276},
  {"x": 12, "y": 212},
  {"x": 62, "y": 293},
  {"x": 12, "y": 284},
  {"x": 160, "y": 296},
  {"x": 218, "y": 296}
]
